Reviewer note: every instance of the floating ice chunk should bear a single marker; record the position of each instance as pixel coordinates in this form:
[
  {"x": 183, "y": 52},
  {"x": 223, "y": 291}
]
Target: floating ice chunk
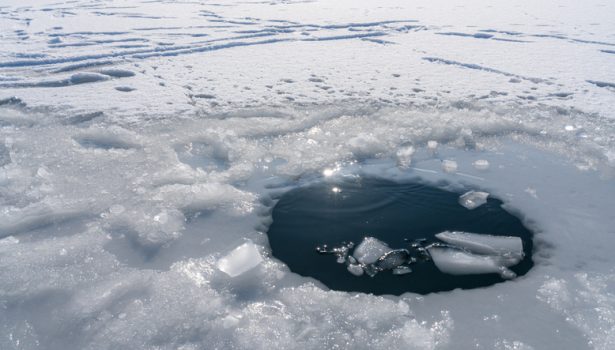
[
  {"x": 458, "y": 262},
  {"x": 401, "y": 270},
  {"x": 370, "y": 250},
  {"x": 481, "y": 164},
  {"x": 473, "y": 199},
  {"x": 432, "y": 145},
  {"x": 404, "y": 156},
  {"x": 392, "y": 259},
  {"x": 355, "y": 269},
  {"x": 449, "y": 166},
  {"x": 507, "y": 246},
  {"x": 240, "y": 260}
]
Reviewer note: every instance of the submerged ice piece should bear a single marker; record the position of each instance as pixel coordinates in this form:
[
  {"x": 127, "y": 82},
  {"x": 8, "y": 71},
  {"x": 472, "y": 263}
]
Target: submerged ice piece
[
  {"x": 242, "y": 259},
  {"x": 392, "y": 259},
  {"x": 456, "y": 261},
  {"x": 473, "y": 199},
  {"x": 484, "y": 244},
  {"x": 472, "y": 253},
  {"x": 341, "y": 252}
]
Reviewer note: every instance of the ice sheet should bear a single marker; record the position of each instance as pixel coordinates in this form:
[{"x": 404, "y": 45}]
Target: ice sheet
[{"x": 298, "y": 89}]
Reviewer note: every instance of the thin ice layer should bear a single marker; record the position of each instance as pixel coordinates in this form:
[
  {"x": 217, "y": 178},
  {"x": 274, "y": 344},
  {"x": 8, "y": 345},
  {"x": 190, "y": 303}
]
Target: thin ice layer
[
  {"x": 484, "y": 244},
  {"x": 458, "y": 262}
]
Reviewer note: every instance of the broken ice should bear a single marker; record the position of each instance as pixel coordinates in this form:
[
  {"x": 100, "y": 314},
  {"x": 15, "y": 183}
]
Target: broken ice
[
  {"x": 370, "y": 250},
  {"x": 464, "y": 253},
  {"x": 242, "y": 259},
  {"x": 483, "y": 243},
  {"x": 392, "y": 259},
  {"x": 473, "y": 199},
  {"x": 472, "y": 253},
  {"x": 355, "y": 269},
  {"x": 456, "y": 261},
  {"x": 370, "y": 257},
  {"x": 401, "y": 270}
]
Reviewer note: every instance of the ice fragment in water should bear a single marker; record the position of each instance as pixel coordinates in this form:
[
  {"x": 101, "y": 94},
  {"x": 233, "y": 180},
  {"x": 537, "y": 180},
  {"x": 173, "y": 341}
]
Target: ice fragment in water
[
  {"x": 341, "y": 252},
  {"x": 432, "y": 145},
  {"x": 473, "y": 199},
  {"x": 481, "y": 164},
  {"x": 485, "y": 244},
  {"x": 459, "y": 262},
  {"x": 240, "y": 260},
  {"x": 370, "y": 250},
  {"x": 449, "y": 166},
  {"x": 392, "y": 259},
  {"x": 371, "y": 270},
  {"x": 355, "y": 269},
  {"x": 401, "y": 270}
]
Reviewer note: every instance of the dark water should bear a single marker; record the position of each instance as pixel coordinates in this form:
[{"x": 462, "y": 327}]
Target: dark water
[{"x": 307, "y": 217}]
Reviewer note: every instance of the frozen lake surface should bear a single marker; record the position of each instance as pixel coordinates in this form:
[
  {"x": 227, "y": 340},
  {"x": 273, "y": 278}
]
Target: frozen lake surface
[{"x": 144, "y": 145}]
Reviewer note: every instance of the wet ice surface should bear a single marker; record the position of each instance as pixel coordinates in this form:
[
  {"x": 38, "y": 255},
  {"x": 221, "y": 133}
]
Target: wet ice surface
[
  {"x": 473, "y": 199},
  {"x": 143, "y": 142},
  {"x": 388, "y": 225}
]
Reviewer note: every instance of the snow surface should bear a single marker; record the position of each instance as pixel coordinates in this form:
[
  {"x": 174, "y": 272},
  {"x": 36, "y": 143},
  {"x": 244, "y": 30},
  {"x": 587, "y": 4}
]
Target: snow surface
[{"x": 142, "y": 141}]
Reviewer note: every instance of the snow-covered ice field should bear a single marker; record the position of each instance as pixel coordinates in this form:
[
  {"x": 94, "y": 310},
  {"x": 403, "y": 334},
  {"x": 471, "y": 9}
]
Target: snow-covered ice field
[{"x": 143, "y": 145}]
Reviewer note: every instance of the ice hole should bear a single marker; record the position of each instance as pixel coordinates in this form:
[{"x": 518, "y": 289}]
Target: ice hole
[{"x": 375, "y": 236}]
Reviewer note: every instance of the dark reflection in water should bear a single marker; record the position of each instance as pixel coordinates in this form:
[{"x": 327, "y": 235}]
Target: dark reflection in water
[{"x": 326, "y": 213}]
